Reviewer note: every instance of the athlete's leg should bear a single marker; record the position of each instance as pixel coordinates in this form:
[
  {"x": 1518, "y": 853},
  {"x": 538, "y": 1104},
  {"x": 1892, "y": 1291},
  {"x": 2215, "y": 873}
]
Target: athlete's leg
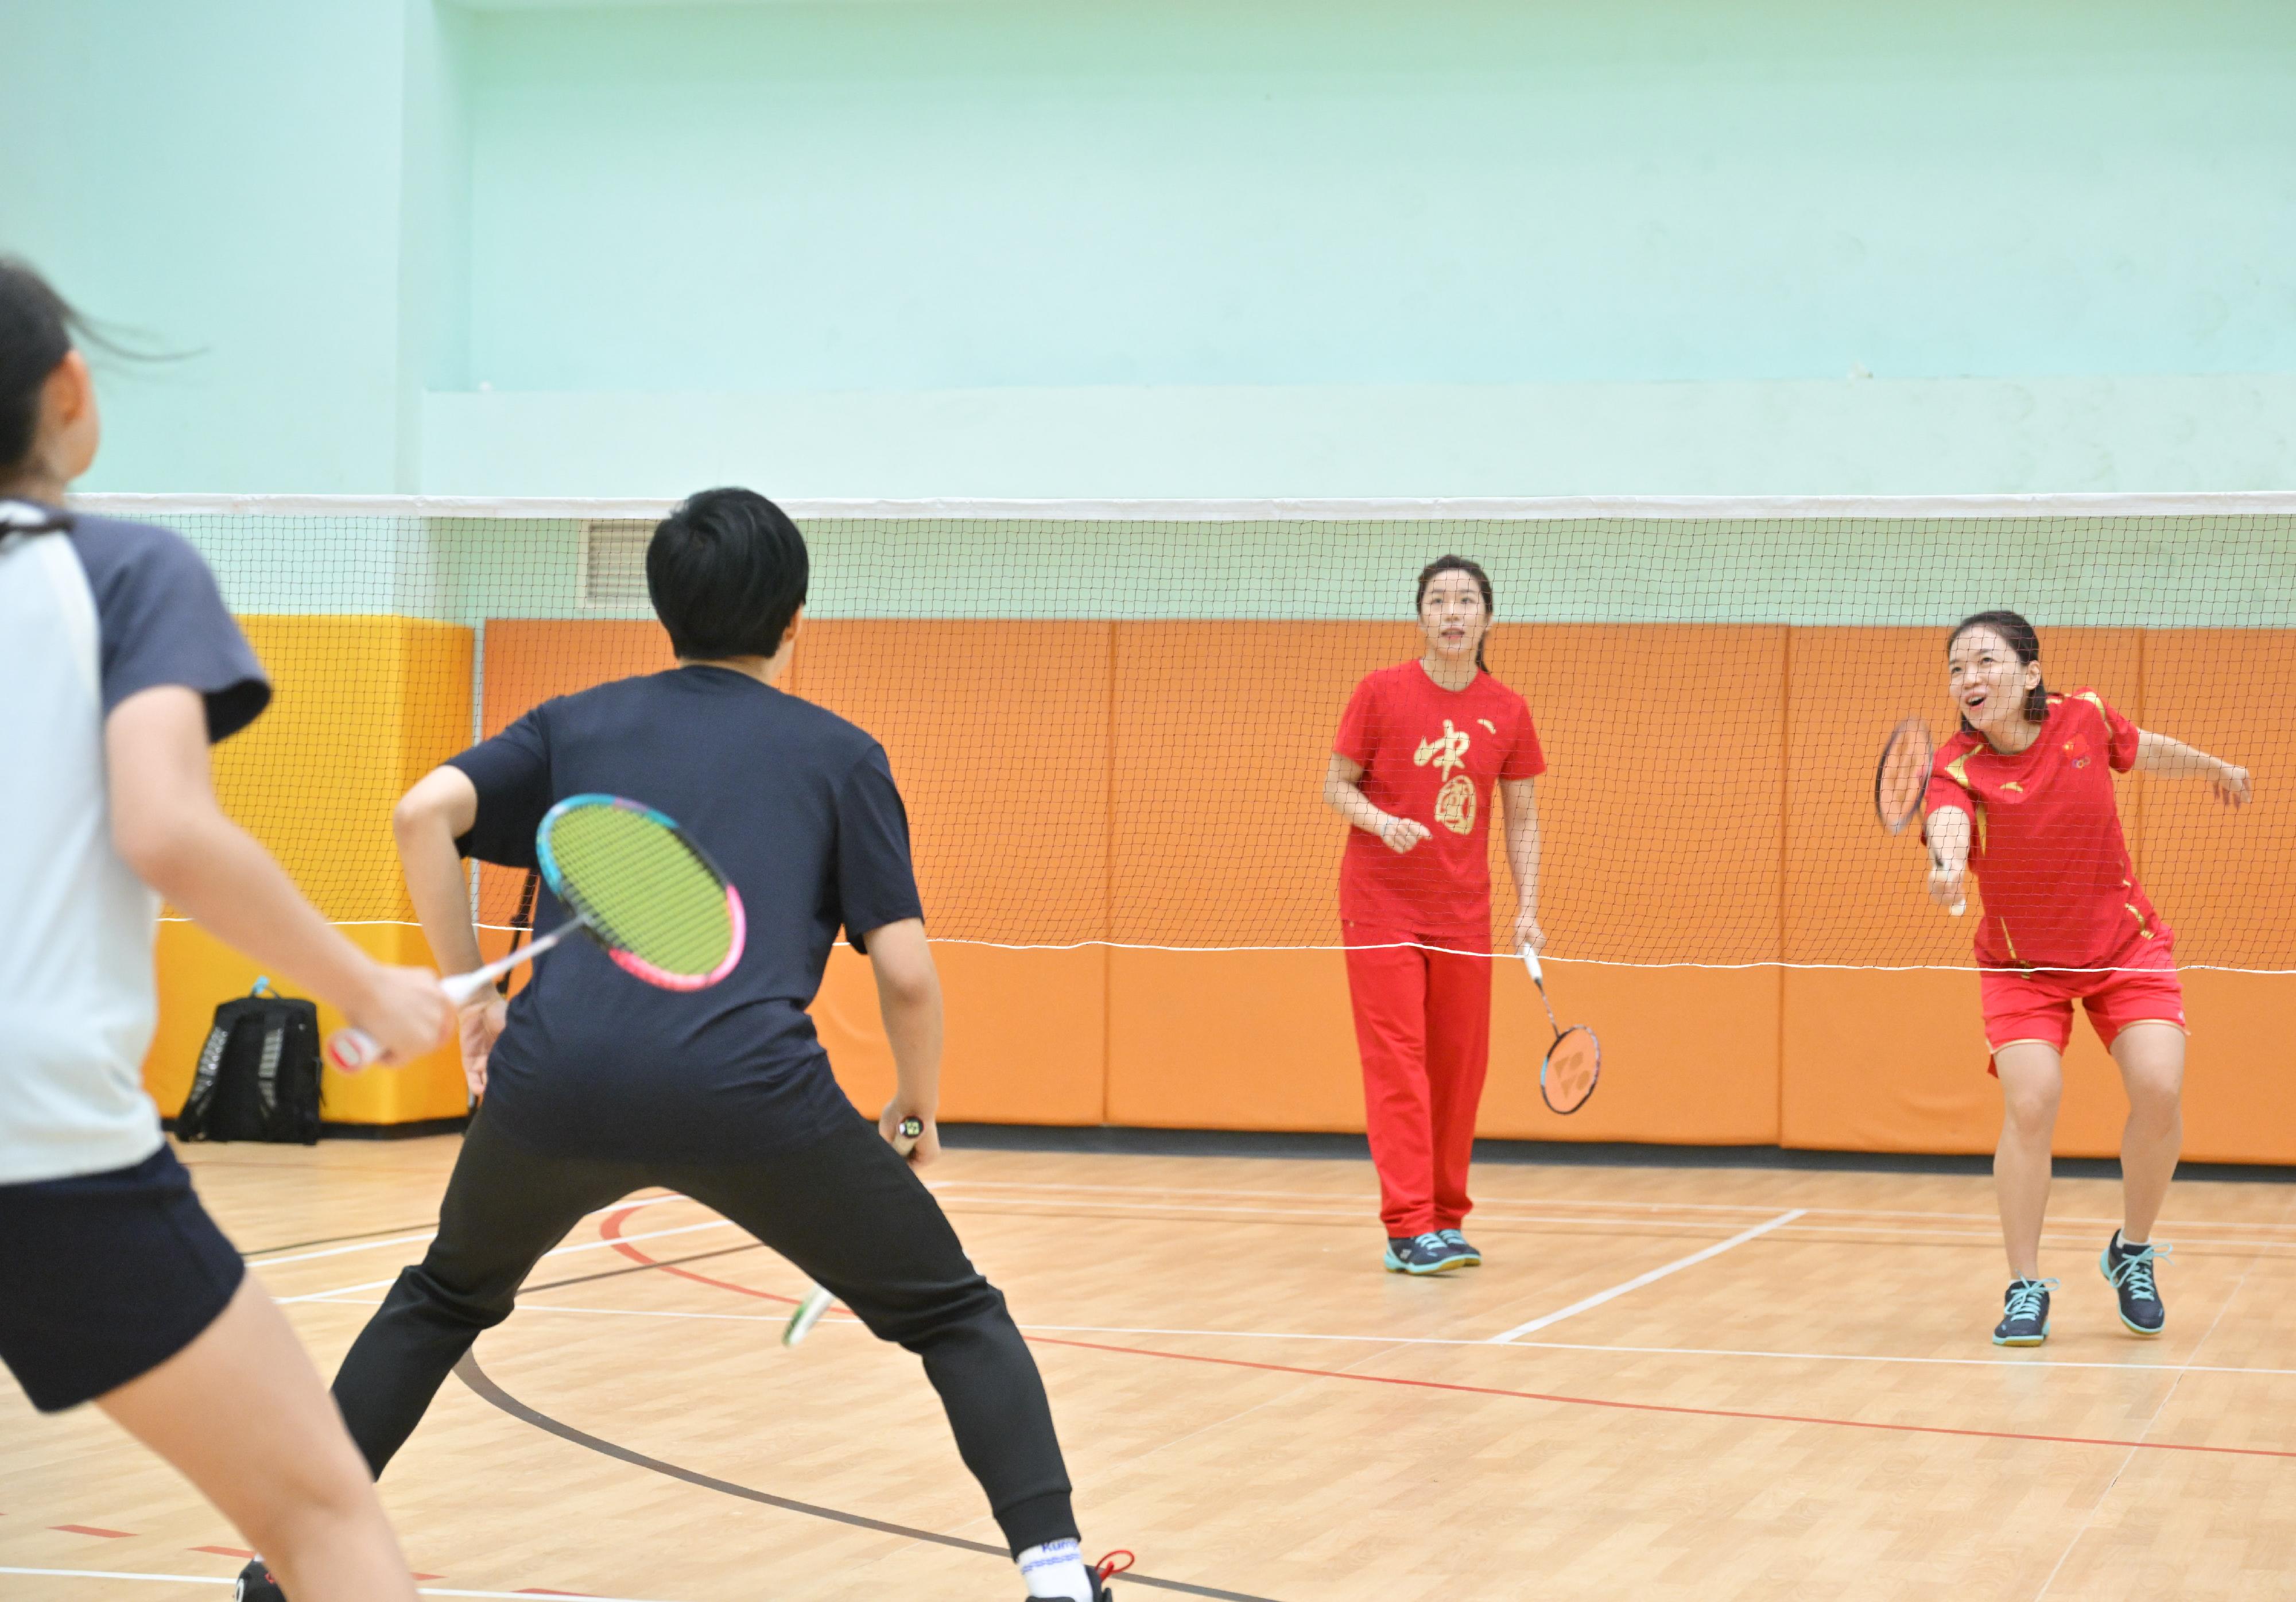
[
  {"x": 1387, "y": 985},
  {"x": 2032, "y": 1080},
  {"x": 505, "y": 1205},
  {"x": 2151, "y": 1058},
  {"x": 853, "y": 1214},
  {"x": 241, "y": 1412},
  {"x": 1458, "y": 1058}
]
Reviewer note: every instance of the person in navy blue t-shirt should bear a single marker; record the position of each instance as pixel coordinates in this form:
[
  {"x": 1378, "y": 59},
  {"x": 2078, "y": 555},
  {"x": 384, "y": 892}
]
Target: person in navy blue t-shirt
[{"x": 596, "y": 1084}]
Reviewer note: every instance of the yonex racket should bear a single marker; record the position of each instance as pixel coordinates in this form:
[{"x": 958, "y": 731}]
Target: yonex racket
[
  {"x": 1902, "y": 779},
  {"x": 818, "y": 1301},
  {"x": 631, "y": 880},
  {"x": 1573, "y": 1063}
]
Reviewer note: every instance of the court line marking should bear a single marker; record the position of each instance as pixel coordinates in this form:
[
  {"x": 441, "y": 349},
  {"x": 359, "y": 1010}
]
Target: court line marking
[
  {"x": 1594, "y": 1401},
  {"x": 594, "y": 1245},
  {"x": 468, "y": 1371},
  {"x": 424, "y": 1590},
  {"x": 1659, "y": 1407},
  {"x": 1487, "y": 1203},
  {"x": 1377, "y": 1340},
  {"x": 1640, "y": 1280},
  {"x": 257, "y": 1261}
]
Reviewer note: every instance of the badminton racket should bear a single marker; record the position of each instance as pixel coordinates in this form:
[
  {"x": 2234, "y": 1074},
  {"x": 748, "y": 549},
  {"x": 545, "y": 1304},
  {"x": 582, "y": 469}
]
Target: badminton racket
[
  {"x": 817, "y": 1301},
  {"x": 630, "y": 880},
  {"x": 1573, "y": 1063},
  {"x": 1902, "y": 779}
]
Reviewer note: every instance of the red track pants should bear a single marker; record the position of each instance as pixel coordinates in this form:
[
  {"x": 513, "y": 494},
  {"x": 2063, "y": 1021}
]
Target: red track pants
[{"x": 1424, "y": 1026}]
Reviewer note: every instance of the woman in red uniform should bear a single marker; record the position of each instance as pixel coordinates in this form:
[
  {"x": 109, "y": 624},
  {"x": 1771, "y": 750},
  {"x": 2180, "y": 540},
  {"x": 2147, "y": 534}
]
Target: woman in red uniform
[
  {"x": 2023, "y": 797},
  {"x": 1419, "y": 749}
]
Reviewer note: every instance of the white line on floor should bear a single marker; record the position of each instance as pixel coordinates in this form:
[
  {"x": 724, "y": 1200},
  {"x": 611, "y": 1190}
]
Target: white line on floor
[
  {"x": 1382, "y": 1340},
  {"x": 1640, "y": 1280},
  {"x": 594, "y": 1245},
  {"x": 427, "y": 1591}
]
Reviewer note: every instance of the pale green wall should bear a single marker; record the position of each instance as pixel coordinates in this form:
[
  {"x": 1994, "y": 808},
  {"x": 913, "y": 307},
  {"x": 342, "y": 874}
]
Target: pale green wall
[
  {"x": 1141, "y": 247},
  {"x": 2236, "y": 572}
]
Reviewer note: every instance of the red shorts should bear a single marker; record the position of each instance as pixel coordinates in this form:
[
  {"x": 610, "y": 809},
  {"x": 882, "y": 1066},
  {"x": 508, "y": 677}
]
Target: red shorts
[{"x": 2039, "y": 1005}]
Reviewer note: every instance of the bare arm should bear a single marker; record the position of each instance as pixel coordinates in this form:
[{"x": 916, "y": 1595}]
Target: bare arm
[
  {"x": 2173, "y": 759},
  {"x": 908, "y": 998},
  {"x": 1949, "y": 839},
  {"x": 1519, "y": 799},
  {"x": 1343, "y": 793},
  {"x": 428, "y": 820},
  {"x": 168, "y": 827}
]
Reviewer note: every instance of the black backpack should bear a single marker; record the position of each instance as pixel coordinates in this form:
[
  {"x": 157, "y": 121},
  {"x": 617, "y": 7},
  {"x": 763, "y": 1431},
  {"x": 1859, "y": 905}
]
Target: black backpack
[{"x": 258, "y": 1073}]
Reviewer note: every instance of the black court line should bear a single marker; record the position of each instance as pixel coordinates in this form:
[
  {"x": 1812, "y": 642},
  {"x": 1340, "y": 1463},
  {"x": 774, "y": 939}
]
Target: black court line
[
  {"x": 469, "y": 1372},
  {"x": 331, "y": 1240},
  {"x": 640, "y": 1268}
]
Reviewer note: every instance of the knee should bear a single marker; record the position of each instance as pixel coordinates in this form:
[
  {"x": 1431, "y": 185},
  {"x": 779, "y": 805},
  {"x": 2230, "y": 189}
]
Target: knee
[
  {"x": 2031, "y": 1112},
  {"x": 949, "y": 1312},
  {"x": 431, "y": 1297},
  {"x": 2155, "y": 1097},
  {"x": 305, "y": 1499}
]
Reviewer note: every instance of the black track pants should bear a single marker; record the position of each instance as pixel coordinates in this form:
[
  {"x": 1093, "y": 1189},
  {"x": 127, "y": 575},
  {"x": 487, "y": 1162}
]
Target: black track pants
[{"x": 846, "y": 1210}]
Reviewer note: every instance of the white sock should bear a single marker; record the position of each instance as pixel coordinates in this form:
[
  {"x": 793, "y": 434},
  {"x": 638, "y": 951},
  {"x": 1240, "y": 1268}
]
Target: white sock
[{"x": 1056, "y": 1571}]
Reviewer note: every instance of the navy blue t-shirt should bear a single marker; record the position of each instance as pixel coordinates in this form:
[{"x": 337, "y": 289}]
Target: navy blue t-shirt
[{"x": 798, "y": 807}]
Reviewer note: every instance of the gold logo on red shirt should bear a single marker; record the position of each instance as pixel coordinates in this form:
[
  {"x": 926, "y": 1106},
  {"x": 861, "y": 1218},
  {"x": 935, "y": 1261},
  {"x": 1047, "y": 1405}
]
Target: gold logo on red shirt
[{"x": 1455, "y": 803}]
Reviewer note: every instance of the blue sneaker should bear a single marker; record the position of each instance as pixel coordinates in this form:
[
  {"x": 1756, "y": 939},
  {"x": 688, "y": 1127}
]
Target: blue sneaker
[
  {"x": 2025, "y": 1315},
  {"x": 1428, "y": 1253},
  {"x": 2128, "y": 1269},
  {"x": 1469, "y": 1258}
]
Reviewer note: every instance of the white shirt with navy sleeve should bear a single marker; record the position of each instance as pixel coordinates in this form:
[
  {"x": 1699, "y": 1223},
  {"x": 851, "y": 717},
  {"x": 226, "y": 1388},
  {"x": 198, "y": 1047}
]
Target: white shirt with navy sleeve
[{"x": 92, "y": 611}]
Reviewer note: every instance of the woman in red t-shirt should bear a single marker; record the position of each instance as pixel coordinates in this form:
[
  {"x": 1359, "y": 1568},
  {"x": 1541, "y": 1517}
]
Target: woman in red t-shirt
[
  {"x": 2023, "y": 796},
  {"x": 1419, "y": 751}
]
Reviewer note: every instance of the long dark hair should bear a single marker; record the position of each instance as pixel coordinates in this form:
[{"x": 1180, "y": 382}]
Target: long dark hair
[
  {"x": 36, "y": 334},
  {"x": 1473, "y": 569},
  {"x": 2019, "y": 635}
]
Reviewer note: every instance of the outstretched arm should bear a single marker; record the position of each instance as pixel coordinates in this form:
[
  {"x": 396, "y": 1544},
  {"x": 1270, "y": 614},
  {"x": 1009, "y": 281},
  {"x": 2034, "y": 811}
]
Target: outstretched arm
[
  {"x": 1343, "y": 793},
  {"x": 1521, "y": 800},
  {"x": 167, "y": 826},
  {"x": 2158, "y": 753},
  {"x": 428, "y": 820}
]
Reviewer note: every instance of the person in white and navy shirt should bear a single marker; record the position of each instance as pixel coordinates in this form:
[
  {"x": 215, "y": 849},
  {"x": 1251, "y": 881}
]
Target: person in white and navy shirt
[{"x": 118, "y": 667}]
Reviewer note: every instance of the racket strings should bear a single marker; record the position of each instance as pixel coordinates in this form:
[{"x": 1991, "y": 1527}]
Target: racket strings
[
  {"x": 1903, "y": 778},
  {"x": 643, "y": 888}
]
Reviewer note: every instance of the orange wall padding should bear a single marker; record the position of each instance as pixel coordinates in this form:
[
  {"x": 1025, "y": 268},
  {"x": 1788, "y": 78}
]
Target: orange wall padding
[{"x": 1708, "y": 806}]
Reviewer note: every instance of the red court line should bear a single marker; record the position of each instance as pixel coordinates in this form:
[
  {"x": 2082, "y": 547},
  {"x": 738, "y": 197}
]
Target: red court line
[
  {"x": 94, "y": 1530},
  {"x": 637, "y": 1255},
  {"x": 241, "y": 1553},
  {"x": 610, "y": 1227}
]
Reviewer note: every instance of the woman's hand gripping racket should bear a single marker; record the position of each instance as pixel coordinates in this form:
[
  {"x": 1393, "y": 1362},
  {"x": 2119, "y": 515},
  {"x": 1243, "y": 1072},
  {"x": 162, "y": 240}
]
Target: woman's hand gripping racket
[
  {"x": 630, "y": 880},
  {"x": 1573, "y": 1065},
  {"x": 817, "y": 1301},
  {"x": 1902, "y": 780}
]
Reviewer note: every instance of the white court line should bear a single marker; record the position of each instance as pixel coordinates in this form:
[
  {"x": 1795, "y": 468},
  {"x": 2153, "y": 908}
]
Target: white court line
[
  {"x": 1380, "y": 1340},
  {"x": 427, "y": 1591},
  {"x": 257, "y": 1261},
  {"x": 1488, "y": 1203},
  {"x": 1640, "y": 1280},
  {"x": 595, "y": 1246}
]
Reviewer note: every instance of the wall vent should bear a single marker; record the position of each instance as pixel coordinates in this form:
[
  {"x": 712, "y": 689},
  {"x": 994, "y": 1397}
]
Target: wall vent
[{"x": 614, "y": 565}]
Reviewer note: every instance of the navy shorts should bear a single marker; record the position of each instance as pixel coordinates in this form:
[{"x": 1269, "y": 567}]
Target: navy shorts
[{"x": 105, "y": 1277}]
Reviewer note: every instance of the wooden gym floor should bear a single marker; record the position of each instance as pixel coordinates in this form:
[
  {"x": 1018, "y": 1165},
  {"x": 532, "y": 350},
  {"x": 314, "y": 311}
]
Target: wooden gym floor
[{"x": 1667, "y": 1383}]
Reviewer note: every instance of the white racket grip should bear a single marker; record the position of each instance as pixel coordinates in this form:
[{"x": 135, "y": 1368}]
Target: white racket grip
[
  {"x": 352, "y": 1049},
  {"x": 1959, "y": 907},
  {"x": 1530, "y": 961}
]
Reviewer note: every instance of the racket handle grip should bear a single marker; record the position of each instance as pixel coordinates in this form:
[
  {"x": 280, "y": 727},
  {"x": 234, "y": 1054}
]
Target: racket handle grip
[
  {"x": 352, "y": 1049},
  {"x": 906, "y": 1138},
  {"x": 1959, "y": 907},
  {"x": 1530, "y": 961}
]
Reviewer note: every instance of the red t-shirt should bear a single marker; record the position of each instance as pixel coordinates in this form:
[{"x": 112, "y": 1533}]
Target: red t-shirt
[
  {"x": 1432, "y": 755},
  {"x": 2061, "y": 891}
]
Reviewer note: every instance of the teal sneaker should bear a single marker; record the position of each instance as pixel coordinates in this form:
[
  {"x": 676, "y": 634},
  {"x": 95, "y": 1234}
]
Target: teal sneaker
[
  {"x": 1469, "y": 1258},
  {"x": 2025, "y": 1314},
  {"x": 2128, "y": 1270},
  {"x": 1428, "y": 1253}
]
